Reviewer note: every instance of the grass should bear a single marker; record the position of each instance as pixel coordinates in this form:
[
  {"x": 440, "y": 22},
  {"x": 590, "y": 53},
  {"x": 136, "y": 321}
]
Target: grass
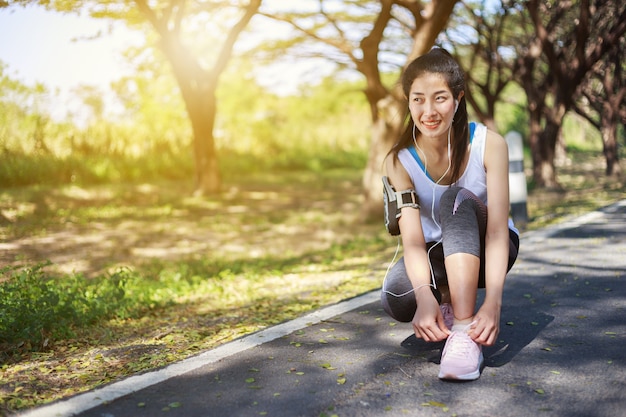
[{"x": 147, "y": 275}]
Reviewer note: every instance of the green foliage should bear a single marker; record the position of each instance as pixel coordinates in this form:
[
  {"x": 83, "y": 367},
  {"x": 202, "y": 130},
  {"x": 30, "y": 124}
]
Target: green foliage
[
  {"x": 24, "y": 170},
  {"x": 36, "y": 308},
  {"x": 511, "y": 114},
  {"x": 580, "y": 135},
  {"x": 325, "y": 127}
]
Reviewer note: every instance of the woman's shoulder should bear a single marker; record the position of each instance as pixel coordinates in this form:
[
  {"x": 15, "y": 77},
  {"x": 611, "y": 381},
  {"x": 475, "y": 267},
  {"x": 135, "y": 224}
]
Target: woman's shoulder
[
  {"x": 481, "y": 131},
  {"x": 495, "y": 147},
  {"x": 396, "y": 172},
  {"x": 493, "y": 138}
]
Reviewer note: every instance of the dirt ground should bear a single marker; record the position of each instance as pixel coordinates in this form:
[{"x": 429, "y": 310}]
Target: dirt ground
[{"x": 92, "y": 230}]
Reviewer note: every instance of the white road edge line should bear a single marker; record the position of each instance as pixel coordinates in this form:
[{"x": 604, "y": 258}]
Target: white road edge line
[
  {"x": 571, "y": 223},
  {"x": 108, "y": 393}
]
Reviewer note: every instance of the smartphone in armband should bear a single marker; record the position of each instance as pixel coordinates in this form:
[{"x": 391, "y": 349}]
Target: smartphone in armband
[{"x": 394, "y": 201}]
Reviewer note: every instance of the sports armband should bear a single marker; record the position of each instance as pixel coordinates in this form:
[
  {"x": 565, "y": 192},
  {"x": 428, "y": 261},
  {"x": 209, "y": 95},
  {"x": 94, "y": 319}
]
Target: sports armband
[{"x": 394, "y": 201}]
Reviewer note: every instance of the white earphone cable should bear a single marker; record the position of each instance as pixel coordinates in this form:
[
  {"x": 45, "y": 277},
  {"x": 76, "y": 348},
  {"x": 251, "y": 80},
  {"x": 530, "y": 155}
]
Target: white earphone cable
[{"x": 432, "y": 211}]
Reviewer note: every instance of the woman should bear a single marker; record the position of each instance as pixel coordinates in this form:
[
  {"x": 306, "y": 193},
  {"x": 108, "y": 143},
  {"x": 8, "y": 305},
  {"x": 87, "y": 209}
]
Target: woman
[{"x": 451, "y": 246}]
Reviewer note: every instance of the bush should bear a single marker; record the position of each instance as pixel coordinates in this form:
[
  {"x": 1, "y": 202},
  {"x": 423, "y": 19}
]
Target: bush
[{"x": 36, "y": 309}]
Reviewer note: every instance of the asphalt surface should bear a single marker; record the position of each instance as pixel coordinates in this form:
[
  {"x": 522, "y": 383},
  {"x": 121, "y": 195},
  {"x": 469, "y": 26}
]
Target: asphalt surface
[{"x": 561, "y": 351}]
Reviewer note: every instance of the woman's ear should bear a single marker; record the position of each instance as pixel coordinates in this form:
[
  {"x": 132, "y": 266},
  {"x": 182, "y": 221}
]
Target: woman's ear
[{"x": 458, "y": 100}]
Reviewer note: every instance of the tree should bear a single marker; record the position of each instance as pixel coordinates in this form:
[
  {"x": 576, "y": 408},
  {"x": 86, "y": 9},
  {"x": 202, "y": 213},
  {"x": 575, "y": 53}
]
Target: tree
[
  {"x": 22, "y": 118},
  {"x": 479, "y": 37},
  {"x": 197, "y": 84},
  {"x": 196, "y": 79},
  {"x": 368, "y": 36},
  {"x": 603, "y": 98},
  {"x": 554, "y": 60}
]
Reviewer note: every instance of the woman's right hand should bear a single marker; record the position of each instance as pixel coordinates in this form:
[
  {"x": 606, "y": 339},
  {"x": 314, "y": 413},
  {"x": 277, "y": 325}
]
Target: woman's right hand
[{"x": 428, "y": 321}]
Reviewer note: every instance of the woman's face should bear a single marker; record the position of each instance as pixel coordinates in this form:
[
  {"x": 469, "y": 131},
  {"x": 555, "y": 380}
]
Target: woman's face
[{"x": 432, "y": 105}]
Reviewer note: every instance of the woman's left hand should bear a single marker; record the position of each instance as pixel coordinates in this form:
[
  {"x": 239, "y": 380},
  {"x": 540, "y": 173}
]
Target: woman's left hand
[{"x": 486, "y": 325}]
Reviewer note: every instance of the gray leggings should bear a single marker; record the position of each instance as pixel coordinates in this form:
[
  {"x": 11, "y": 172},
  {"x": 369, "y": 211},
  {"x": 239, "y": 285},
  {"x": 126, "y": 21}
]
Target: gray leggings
[{"x": 463, "y": 218}]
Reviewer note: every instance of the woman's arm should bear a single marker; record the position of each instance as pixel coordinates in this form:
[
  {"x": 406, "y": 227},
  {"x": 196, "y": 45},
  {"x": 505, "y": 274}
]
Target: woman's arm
[
  {"x": 428, "y": 321},
  {"x": 496, "y": 239}
]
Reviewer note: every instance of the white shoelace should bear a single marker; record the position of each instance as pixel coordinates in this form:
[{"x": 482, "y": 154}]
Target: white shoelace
[{"x": 461, "y": 344}]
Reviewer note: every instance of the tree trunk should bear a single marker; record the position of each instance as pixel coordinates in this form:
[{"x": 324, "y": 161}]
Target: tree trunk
[
  {"x": 610, "y": 146},
  {"x": 208, "y": 179},
  {"x": 197, "y": 85},
  {"x": 385, "y": 131},
  {"x": 615, "y": 91},
  {"x": 198, "y": 88},
  {"x": 543, "y": 151},
  {"x": 199, "y": 96},
  {"x": 490, "y": 122}
]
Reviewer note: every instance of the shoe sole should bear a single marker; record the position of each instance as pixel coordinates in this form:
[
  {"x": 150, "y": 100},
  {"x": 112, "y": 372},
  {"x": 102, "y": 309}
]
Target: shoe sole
[{"x": 472, "y": 376}]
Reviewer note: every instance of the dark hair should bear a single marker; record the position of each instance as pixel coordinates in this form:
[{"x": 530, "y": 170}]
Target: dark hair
[{"x": 438, "y": 61}]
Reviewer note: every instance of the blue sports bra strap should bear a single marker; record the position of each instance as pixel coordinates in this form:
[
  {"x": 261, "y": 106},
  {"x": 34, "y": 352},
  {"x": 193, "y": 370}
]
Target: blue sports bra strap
[{"x": 413, "y": 152}]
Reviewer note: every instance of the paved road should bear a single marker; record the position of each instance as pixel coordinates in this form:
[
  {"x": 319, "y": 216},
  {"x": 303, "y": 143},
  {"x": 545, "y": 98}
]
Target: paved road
[{"x": 562, "y": 351}]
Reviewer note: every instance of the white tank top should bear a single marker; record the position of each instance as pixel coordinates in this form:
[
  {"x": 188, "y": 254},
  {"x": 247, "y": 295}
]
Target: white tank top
[{"x": 474, "y": 178}]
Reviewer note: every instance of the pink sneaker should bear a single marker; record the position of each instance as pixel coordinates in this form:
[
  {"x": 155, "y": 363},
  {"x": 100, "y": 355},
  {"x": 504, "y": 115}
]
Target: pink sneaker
[
  {"x": 461, "y": 358},
  {"x": 448, "y": 314}
]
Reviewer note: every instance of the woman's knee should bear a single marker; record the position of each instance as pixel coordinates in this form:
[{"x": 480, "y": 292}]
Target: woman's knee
[
  {"x": 397, "y": 296},
  {"x": 448, "y": 198},
  {"x": 401, "y": 309}
]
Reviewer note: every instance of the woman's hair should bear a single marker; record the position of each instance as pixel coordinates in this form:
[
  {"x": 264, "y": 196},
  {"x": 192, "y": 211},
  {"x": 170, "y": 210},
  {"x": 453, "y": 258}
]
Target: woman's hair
[{"x": 438, "y": 61}]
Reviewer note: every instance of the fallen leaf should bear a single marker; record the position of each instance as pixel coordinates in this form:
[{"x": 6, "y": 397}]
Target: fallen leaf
[{"x": 432, "y": 403}]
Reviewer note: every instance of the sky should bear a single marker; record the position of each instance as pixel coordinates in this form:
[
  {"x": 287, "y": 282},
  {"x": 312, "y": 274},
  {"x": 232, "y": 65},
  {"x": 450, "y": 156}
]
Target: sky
[
  {"x": 62, "y": 51},
  {"x": 39, "y": 46},
  {"x": 42, "y": 46}
]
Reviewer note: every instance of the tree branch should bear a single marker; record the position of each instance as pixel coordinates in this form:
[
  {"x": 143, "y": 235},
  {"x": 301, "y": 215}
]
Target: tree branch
[{"x": 227, "y": 47}]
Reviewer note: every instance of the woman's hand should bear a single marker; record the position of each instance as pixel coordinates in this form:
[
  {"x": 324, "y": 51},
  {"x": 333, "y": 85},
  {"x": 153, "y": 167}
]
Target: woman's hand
[
  {"x": 486, "y": 324},
  {"x": 428, "y": 321}
]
